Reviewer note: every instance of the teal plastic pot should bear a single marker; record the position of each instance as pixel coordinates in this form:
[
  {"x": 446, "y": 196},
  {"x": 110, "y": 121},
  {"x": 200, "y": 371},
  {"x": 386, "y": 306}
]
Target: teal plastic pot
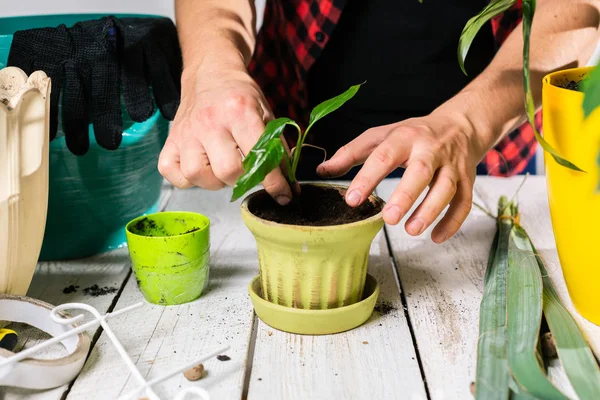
[{"x": 93, "y": 197}]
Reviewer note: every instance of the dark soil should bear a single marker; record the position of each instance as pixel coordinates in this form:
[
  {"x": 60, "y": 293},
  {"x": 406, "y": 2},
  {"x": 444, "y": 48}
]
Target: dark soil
[
  {"x": 70, "y": 289},
  {"x": 96, "y": 290},
  {"x": 384, "y": 308},
  {"x": 149, "y": 227},
  {"x": 315, "y": 206},
  {"x": 572, "y": 85}
]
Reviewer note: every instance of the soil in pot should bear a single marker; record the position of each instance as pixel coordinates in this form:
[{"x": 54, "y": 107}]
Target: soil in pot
[
  {"x": 572, "y": 85},
  {"x": 315, "y": 206}
]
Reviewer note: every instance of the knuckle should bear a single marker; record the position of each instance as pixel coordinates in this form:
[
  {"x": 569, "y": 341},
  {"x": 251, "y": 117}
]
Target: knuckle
[
  {"x": 228, "y": 169},
  {"x": 238, "y": 104},
  {"x": 408, "y": 130},
  {"x": 464, "y": 208},
  {"x": 192, "y": 171},
  {"x": 346, "y": 153},
  {"x": 448, "y": 182},
  {"x": 406, "y": 198},
  {"x": 165, "y": 166},
  {"x": 423, "y": 169},
  {"x": 385, "y": 156}
]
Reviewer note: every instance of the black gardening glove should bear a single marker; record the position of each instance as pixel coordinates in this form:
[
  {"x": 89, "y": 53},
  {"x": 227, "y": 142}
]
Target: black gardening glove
[
  {"x": 150, "y": 57},
  {"x": 45, "y": 49},
  {"x": 92, "y": 61},
  {"x": 93, "y": 87}
]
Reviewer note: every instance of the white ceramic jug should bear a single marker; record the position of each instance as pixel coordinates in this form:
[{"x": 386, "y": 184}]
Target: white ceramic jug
[{"x": 24, "y": 124}]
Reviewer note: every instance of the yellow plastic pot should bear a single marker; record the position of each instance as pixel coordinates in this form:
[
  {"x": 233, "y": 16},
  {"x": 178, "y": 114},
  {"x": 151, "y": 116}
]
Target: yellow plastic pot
[
  {"x": 312, "y": 267},
  {"x": 574, "y": 197}
]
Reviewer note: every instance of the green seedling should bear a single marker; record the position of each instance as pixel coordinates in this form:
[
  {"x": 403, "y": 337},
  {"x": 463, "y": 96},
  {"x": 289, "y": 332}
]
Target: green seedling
[{"x": 269, "y": 151}]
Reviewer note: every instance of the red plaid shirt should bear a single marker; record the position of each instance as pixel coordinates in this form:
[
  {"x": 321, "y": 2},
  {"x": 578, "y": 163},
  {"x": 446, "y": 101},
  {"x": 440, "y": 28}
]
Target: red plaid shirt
[{"x": 294, "y": 33}]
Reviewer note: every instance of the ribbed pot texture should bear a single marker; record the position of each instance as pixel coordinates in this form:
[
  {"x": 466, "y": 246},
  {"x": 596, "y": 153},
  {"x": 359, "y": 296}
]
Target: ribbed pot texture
[{"x": 308, "y": 267}]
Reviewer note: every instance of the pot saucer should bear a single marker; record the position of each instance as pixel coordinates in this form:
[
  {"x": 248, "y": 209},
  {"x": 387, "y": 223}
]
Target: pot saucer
[{"x": 315, "y": 322}]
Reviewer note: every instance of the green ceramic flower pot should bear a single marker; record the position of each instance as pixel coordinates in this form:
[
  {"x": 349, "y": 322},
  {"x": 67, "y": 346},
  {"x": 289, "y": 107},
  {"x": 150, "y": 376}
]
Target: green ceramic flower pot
[{"x": 313, "y": 267}]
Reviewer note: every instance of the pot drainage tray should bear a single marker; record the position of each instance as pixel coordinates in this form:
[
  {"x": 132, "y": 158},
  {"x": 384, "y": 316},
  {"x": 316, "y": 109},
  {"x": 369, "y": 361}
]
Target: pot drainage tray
[{"x": 315, "y": 322}]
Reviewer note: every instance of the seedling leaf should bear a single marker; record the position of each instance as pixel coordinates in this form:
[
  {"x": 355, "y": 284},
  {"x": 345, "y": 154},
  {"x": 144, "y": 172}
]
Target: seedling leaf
[
  {"x": 273, "y": 130},
  {"x": 267, "y": 158},
  {"x": 473, "y": 26},
  {"x": 329, "y": 106}
]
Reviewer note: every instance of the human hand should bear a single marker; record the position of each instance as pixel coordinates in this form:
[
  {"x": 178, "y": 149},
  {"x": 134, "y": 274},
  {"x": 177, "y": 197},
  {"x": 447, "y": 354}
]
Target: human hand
[
  {"x": 224, "y": 115},
  {"x": 437, "y": 151}
]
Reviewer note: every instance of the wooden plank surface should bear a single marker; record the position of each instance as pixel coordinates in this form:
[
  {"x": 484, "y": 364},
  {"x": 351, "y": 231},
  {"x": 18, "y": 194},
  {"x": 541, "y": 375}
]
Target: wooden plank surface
[
  {"x": 376, "y": 360},
  {"x": 160, "y": 338},
  {"x": 73, "y": 281},
  {"x": 444, "y": 283}
]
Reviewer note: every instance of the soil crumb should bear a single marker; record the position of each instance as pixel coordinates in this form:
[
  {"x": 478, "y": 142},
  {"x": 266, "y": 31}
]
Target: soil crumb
[
  {"x": 148, "y": 227},
  {"x": 96, "y": 290},
  {"x": 384, "y": 308},
  {"x": 223, "y": 358},
  {"x": 572, "y": 85},
  {"x": 70, "y": 289},
  {"x": 315, "y": 206}
]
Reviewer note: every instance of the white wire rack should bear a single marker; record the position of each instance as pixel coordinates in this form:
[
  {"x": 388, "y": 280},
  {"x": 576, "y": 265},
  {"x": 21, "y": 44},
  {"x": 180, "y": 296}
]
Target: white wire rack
[{"x": 145, "y": 388}]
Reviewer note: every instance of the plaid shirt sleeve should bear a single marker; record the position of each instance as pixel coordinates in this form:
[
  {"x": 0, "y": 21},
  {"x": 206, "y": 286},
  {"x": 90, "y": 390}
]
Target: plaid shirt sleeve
[{"x": 293, "y": 34}]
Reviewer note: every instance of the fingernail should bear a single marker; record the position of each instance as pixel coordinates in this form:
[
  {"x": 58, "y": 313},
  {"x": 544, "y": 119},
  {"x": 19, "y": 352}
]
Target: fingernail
[
  {"x": 392, "y": 214},
  {"x": 416, "y": 226},
  {"x": 283, "y": 200},
  {"x": 353, "y": 198}
]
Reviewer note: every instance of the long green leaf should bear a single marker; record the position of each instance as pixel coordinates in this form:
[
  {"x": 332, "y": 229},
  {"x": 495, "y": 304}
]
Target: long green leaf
[
  {"x": 591, "y": 92},
  {"x": 472, "y": 27},
  {"x": 528, "y": 12},
  {"x": 492, "y": 374},
  {"x": 517, "y": 392},
  {"x": 267, "y": 159},
  {"x": 573, "y": 350},
  {"x": 329, "y": 106},
  {"x": 524, "y": 318}
]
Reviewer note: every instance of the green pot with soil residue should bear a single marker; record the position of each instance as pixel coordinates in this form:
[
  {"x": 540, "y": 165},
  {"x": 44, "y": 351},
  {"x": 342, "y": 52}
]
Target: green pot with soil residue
[{"x": 170, "y": 254}]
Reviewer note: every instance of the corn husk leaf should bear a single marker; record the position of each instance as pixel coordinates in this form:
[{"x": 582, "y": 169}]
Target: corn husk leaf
[
  {"x": 525, "y": 289},
  {"x": 517, "y": 392},
  {"x": 574, "y": 353},
  {"x": 492, "y": 374}
]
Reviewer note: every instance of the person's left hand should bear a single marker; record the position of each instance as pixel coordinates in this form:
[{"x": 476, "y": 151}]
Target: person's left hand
[{"x": 436, "y": 150}]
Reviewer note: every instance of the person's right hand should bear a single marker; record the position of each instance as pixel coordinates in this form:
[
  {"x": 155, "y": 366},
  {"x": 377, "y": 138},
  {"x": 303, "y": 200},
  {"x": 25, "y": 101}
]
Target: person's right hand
[{"x": 221, "y": 113}]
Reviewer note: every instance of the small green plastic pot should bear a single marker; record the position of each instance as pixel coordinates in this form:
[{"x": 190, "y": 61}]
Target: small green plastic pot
[{"x": 170, "y": 254}]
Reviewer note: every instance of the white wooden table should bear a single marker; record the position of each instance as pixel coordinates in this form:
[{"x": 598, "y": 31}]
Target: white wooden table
[{"x": 423, "y": 346}]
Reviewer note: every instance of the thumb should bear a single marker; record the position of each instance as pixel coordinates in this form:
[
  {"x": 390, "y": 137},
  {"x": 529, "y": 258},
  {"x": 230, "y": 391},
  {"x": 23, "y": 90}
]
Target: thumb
[{"x": 276, "y": 185}]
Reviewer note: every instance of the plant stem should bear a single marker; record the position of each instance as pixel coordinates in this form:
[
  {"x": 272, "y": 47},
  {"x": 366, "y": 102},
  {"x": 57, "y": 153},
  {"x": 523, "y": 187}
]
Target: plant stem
[{"x": 296, "y": 157}]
